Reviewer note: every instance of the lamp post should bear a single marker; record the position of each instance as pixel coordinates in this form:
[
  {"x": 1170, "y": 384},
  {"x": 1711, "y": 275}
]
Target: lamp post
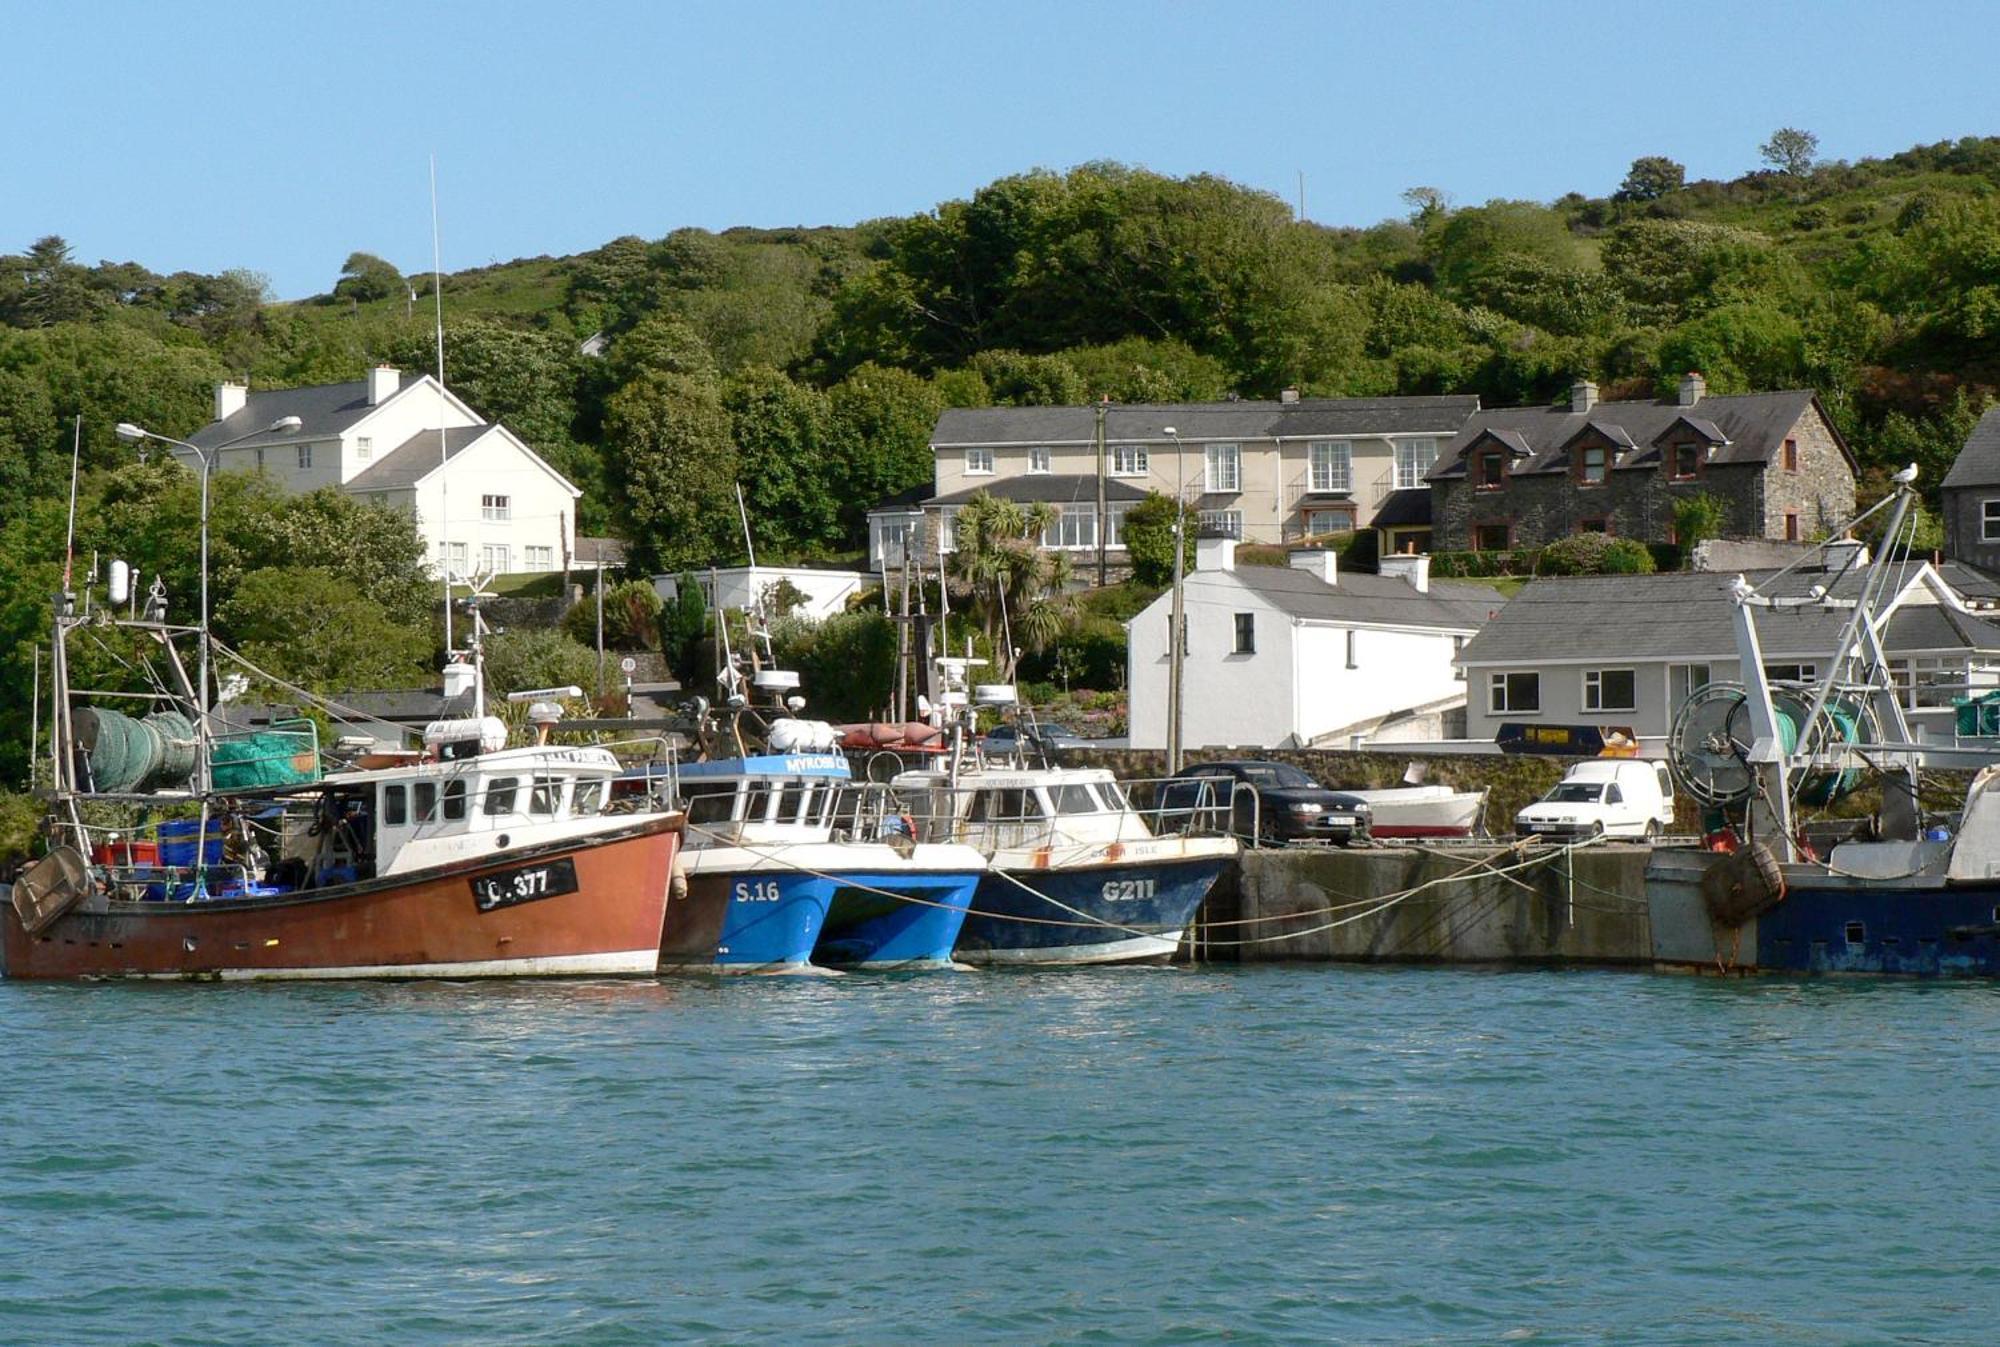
[
  {"x": 132, "y": 434},
  {"x": 1176, "y": 639}
]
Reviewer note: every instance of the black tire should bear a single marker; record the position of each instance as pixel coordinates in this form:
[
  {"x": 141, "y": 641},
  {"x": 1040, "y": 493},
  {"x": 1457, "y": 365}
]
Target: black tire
[
  {"x": 1652, "y": 830},
  {"x": 1596, "y": 831}
]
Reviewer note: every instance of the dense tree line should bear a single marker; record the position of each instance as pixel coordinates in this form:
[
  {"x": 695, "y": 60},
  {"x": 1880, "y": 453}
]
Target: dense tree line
[{"x": 808, "y": 365}]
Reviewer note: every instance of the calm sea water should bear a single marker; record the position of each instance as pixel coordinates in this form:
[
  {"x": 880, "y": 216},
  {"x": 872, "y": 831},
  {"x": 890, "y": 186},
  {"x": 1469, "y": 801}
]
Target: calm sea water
[{"x": 1269, "y": 1155}]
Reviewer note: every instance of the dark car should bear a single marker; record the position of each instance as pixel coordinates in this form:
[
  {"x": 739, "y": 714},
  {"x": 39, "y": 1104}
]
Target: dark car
[
  {"x": 1278, "y": 802},
  {"x": 1029, "y": 742}
]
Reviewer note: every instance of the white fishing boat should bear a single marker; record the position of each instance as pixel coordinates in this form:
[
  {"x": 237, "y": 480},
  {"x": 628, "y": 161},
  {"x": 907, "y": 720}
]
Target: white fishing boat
[{"x": 1423, "y": 811}]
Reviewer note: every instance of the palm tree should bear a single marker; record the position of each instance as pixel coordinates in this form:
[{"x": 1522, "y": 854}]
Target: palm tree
[{"x": 1016, "y": 589}]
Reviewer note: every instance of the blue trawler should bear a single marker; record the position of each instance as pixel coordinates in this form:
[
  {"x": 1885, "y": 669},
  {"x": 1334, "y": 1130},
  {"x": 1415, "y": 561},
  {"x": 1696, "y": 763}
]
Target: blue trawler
[{"x": 1900, "y": 892}]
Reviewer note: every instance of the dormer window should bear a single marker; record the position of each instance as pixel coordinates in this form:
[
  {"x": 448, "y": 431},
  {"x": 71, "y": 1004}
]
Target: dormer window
[
  {"x": 1489, "y": 470},
  {"x": 1686, "y": 460},
  {"x": 1593, "y": 463}
]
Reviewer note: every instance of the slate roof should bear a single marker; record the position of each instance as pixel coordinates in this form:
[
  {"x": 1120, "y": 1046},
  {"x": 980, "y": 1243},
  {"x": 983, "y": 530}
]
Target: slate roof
[
  {"x": 1060, "y": 487},
  {"x": 1408, "y": 508},
  {"x": 1368, "y": 600},
  {"x": 324, "y": 410},
  {"x": 1978, "y": 463},
  {"x": 1754, "y": 424},
  {"x": 414, "y": 459},
  {"x": 1689, "y": 616},
  {"x": 1127, "y": 423}
]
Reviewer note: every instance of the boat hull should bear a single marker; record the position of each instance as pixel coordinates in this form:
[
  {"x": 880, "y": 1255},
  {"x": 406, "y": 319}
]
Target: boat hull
[
  {"x": 1922, "y": 929},
  {"x": 747, "y": 921},
  {"x": 1110, "y": 912},
  {"x": 895, "y": 920},
  {"x": 595, "y": 910},
  {"x": 1417, "y": 812}
]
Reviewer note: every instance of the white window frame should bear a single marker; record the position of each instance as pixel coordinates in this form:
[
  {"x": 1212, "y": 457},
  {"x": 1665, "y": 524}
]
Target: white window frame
[
  {"x": 1414, "y": 460},
  {"x": 1594, "y": 691},
  {"x": 1343, "y": 520},
  {"x": 1222, "y": 468},
  {"x": 456, "y": 556},
  {"x": 1790, "y": 671},
  {"x": 947, "y": 528},
  {"x": 1681, "y": 683},
  {"x": 501, "y": 553},
  {"x": 305, "y": 456},
  {"x": 1244, "y": 633},
  {"x": 496, "y": 509},
  {"x": 1989, "y": 521},
  {"x": 1129, "y": 460},
  {"x": 1330, "y": 465},
  {"x": 1498, "y": 703},
  {"x": 1040, "y": 460},
  {"x": 979, "y": 463},
  {"x": 1114, "y": 526},
  {"x": 539, "y": 557},
  {"x": 1072, "y": 530},
  {"x": 1227, "y": 523},
  {"x": 364, "y": 447}
]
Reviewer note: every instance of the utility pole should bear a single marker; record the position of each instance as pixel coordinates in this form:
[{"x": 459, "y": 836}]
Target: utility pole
[
  {"x": 1177, "y": 622},
  {"x": 1103, "y": 511}
]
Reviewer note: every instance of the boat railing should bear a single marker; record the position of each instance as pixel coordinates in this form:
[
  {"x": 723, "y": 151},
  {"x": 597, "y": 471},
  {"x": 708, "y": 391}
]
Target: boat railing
[{"x": 1042, "y": 813}]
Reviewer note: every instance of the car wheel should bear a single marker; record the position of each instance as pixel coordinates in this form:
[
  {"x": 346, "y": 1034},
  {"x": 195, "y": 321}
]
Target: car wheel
[
  {"x": 1652, "y": 830},
  {"x": 1596, "y": 830}
]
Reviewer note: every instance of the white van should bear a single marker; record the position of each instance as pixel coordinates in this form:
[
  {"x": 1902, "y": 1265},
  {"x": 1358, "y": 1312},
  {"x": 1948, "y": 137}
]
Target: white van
[{"x": 1605, "y": 797}]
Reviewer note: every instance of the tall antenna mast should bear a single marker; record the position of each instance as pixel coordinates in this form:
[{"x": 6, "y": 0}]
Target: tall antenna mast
[
  {"x": 69, "y": 541},
  {"x": 444, "y": 454}
]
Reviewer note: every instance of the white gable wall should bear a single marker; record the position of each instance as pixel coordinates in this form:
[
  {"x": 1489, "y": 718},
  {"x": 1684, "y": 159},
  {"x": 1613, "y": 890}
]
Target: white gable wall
[
  {"x": 1393, "y": 670},
  {"x": 1226, "y": 699},
  {"x": 540, "y": 512},
  {"x": 418, "y": 407}
]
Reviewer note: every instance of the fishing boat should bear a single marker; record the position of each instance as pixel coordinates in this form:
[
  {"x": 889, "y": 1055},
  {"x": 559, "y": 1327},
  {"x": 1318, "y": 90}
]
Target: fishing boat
[
  {"x": 1774, "y": 889},
  {"x": 1074, "y": 874},
  {"x": 469, "y": 859}
]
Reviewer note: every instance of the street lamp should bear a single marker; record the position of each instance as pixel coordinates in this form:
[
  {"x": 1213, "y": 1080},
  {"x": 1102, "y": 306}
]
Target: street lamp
[
  {"x": 132, "y": 434},
  {"x": 1176, "y": 639}
]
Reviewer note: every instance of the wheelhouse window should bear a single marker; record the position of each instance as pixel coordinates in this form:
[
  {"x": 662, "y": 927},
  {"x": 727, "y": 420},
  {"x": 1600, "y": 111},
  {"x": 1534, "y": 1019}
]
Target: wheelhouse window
[
  {"x": 1246, "y": 634},
  {"x": 1074, "y": 797},
  {"x": 1491, "y": 537},
  {"x": 1128, "y": 460},
  {"x": 589, "y": 798},
  {"x": 1414, "y": 459},
  {"x": 395, "y": 806},
  {"x": 500, "y": 793},
  {"x": 1593, "y": 464},
  {"x": 1609, "y": 689},
  {"x": 1038, "y": 460},
  {"x": 1224, "y": 464},
  {"x": 979, "y": 463},
  {"x": 1330, "y": 466},
  {"x": 710, "y": 804},
  {"x": 454, "y": 800},
  {"x": 546, "y": 796},
  {"x": 424, "y": 801},
  {"x": 1514, "y": 692}
]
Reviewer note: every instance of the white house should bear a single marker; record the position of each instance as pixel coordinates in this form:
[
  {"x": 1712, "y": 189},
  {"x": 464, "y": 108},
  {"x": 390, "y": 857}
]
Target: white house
[
  {"x": 1303, "y": 655},
  {"x": 1629, "y": 650},
  {"x": 483, "y": 499},
  {"x": 826, "y": 592}
]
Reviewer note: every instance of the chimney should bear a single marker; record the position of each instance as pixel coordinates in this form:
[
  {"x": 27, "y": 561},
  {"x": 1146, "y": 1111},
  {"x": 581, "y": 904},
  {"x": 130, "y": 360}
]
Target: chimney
[
  {"x": 1693, "y": 388},
  {"x": 229, "y": 399},
  {"x": 1320, "y": 561},
  {"x": 1215, "y": 554},
  {"x": 1289, "y": 396},
  {"x": 1582, "y": 396},
  {"x": 1415, "y": 568},
  {"x": 383, "y": 381}
]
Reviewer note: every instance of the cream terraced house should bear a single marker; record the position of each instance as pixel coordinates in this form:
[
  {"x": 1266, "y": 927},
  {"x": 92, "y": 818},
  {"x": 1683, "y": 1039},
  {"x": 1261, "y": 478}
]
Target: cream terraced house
[
  {"x": 484, "y": 501},
  {"x": 1267, "y": 472}
]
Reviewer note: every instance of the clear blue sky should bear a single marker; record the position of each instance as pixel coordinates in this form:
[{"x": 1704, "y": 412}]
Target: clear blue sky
[{"x": 280, "y": 137}]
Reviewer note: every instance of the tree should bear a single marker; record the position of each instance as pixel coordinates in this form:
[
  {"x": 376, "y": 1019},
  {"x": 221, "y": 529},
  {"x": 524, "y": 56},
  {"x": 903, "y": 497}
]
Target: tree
[
  {"x": 365, "y": 277},
  {"x": 537, "y": 657},
  {"x": 1698, "y": 518},
  {"x": 1427, "y": 205},
  {"x": 785, "y": 445},
  {"x": 683, "y": 625},
  {"x": 675, "y": 468},
  {"x": 314, "y": 628},
  {"x": 1016, "y": 588},
  {"x": 1148, "y": 531},
  {"x": 1650, "y": 178},
  {"x": 881, "y": 439},
  {"x": 631, "y": 617},
  {"x": 1790, "y": 150}
]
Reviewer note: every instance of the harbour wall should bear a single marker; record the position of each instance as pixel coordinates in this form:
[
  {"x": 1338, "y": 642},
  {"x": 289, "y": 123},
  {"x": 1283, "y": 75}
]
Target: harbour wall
[{"x": 1409, "y": 904}]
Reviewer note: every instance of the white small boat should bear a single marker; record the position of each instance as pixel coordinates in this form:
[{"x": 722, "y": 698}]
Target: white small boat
[{"x": 1423, "y": 811}]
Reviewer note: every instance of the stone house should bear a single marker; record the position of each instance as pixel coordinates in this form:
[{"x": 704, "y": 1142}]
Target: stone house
[
  {"x": 1525, "y": 476},
  {"x": 1972, "y": 497}
]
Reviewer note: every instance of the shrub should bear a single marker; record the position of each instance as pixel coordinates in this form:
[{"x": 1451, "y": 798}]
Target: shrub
[
  {"x": 631, "y": 617},
  {"x": 1595, "y": 554},
  {"x": 1627, "y": 556}
]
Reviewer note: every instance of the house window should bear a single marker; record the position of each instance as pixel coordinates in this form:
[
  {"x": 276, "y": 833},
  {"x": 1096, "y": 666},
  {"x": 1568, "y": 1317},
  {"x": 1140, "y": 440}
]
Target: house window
[
  {"x": 1246, "y": 633},
  {"x": 1414, "y": 458},
  {"x": 1686, "y": 461},
  {"x": 497, "y": 558},
  {"x": 979, "y": 463},
  {"x": 541, "y": 558},
  {"x": 1225, "y": 468},
  {"x": 1599, "y": 525},
  {"x": 1038, "y": 460},
  {"x": 1593, "y": 464},
  {"x": 947, "y": 529},
  {"x": 305, "y": 455},
  {"x": 1128, "y": 460},
  {"x": 1072, "y": 529},
  {"x": 1609, "y": 690},
  {"x": 1489, "y": 471},
  {"x": 364, "y": 448},
  {"x": 493, "y": 509},
  {"x": 1222, "y": 523},
  {"x": 894, "y": 539},
  {"x": 1683, "y": 681},
  {"x": 1791, "y": 455},
  {"x": 1989, "y": 521},
  {"x": 1792, "y": 673},
  {"x": 1506, "y": 692},
  {"x": 456, "y": 558},
  {"x": 1931, "y": 680},
  {"x": 1330, "y": 466},
  {"x": 1791, "y": 526},
  {"x": 1457, "y": 649},
  {"x": 1491, "y": 537},
  {"x": 1324, "y": 521},
  {"x": 1114, "y": 525},
  {"x": 260, "y": 460},
  {"x": 1353, "y": 648}
]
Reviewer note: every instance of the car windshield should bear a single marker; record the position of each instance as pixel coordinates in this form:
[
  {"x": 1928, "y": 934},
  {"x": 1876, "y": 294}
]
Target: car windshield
[
  {"x": 1270, "y": 775},
  {"x": 1576, "y": 792}
]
